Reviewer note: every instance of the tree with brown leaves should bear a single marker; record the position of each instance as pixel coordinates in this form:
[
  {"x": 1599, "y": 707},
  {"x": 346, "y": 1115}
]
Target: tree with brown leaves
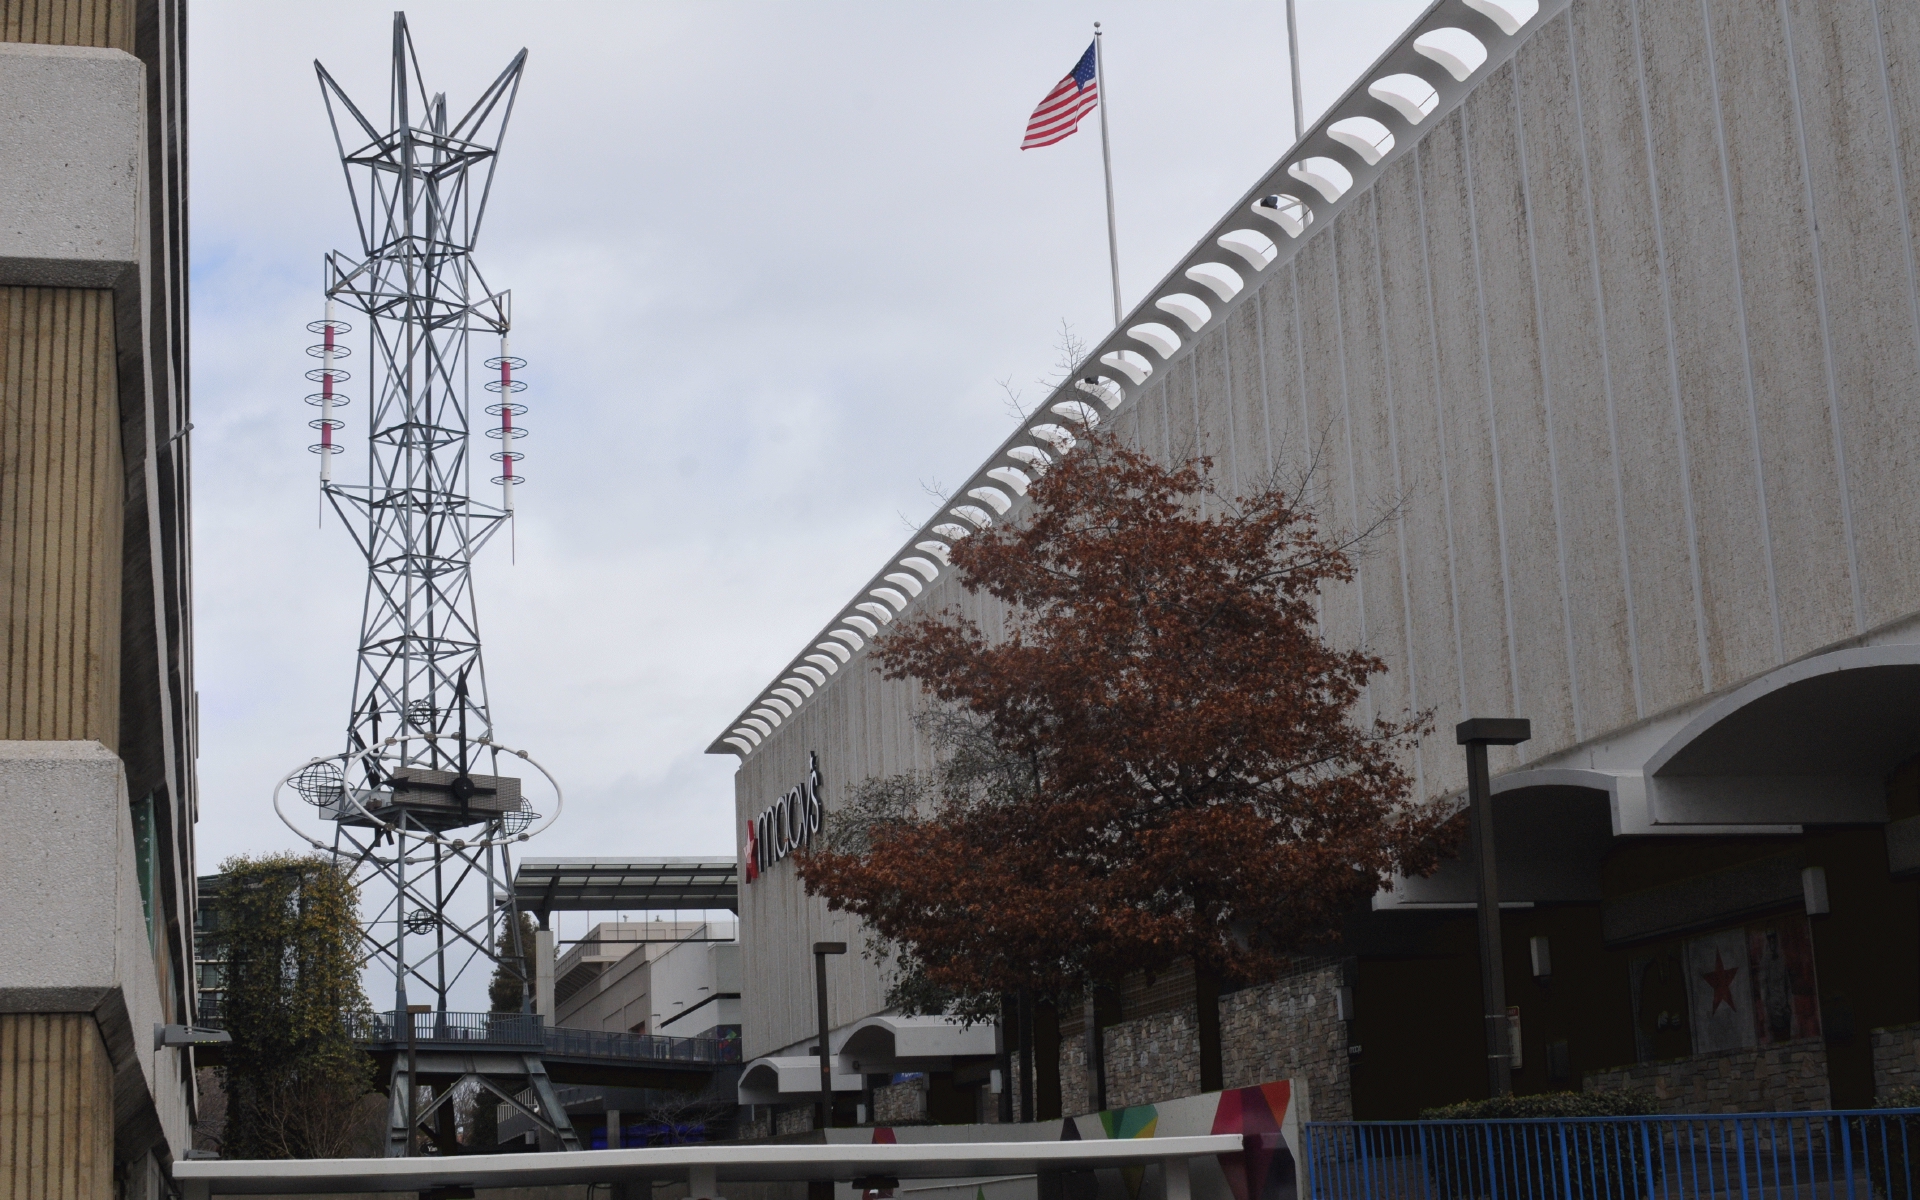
[{"x": 1160, "y": 757}]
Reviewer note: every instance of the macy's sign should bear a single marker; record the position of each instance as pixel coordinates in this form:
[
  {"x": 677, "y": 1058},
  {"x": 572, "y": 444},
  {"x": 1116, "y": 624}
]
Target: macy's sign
[{"x": 788, "y": 823}]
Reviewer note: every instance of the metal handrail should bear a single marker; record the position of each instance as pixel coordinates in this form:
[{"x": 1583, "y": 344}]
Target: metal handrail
[
  {"x": 531, "y": 1030},
  {"x": 1837, "y": 1154},
  {"x": 525, "y": 1030}
]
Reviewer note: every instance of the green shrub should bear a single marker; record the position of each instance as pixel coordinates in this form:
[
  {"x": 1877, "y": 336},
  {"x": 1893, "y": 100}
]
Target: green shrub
[
  {"x": 1886, "y": 1145},
  {"x": 1548, "y": 1105},
  {"x": 1610, "y": 1159}
]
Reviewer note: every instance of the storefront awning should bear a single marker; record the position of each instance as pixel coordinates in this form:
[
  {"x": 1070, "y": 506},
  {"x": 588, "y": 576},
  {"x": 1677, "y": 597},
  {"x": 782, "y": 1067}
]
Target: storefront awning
[
  {"x": 773, "y": 1080},
  {"x": 887, "y": 1043}
]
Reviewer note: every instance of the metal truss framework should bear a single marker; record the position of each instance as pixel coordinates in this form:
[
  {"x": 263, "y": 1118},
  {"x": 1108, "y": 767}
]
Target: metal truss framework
[{"x": 411, "y": 816}]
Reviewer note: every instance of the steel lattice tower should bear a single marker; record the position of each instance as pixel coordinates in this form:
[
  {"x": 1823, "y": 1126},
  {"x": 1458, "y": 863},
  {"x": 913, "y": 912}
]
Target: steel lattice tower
[{"x": 411, "y": 810}]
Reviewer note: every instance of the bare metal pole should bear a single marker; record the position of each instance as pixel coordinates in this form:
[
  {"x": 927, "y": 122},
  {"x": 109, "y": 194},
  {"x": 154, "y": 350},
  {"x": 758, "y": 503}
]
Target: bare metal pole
[
  {"x": 1476, "y": 736},
  {"x": 1293, "y": 52},
  {"x": 820, "y": 952},
  {"x": 1106, "y": 160}
]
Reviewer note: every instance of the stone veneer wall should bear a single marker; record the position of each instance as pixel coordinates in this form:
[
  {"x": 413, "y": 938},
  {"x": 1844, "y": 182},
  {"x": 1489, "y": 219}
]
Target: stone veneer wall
[
  {"x": 1286, "y": 1029},
  {"x": 1155, "y": 1057},
  {"x": 1290, "y": 1029},
  {"x": 900, "y": 1103},
  {"x": 1785, "y": 1078},
  {"x": 1896, "y": 1058}
]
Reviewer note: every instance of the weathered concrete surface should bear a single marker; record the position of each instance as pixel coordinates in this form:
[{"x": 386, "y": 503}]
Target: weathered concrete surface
[
  {"x": 76, "y": 930},
  {"x": 72, "y": 136}
]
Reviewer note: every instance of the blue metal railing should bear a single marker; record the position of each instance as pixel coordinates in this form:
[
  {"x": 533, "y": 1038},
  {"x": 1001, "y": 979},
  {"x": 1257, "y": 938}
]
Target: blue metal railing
[{"x": 1838, "y": 1155}]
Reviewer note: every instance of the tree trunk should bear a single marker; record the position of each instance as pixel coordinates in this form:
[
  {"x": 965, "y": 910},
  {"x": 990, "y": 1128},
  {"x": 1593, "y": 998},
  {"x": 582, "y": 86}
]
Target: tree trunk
[
  {"x": 1096, "y": 1054},
  {"x": 1026, "y": 1055},
  {"x": 1206, "y": 998},
  {"x": 1046, "y": 1053},
  {"x": 1009, "y": 1030}
]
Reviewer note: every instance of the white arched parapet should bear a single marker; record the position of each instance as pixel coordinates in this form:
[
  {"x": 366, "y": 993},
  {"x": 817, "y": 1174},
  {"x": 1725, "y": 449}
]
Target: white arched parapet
[
  {"x": 1509, "y": 15},
  {"x": 1102, "y": 389},
  {"x": 905, "y": 581},
  {"x": 1011, "y": 477},
  {"x": 1286, "y": 210},
  {"x": 1059, "y": 437},
  {"x": 1256, "y": 247},
  {"x": 1364, "y": 136},
  {"x": 1189, "y": 308},
  {"x": 1409, "y": 95},
  {"x": 1131, "y": 363},
  {"x": 927, "y": 568},
  {"x": 1323, "y": 175},
  {"x": 765, "y": 728},
  {"x": 766, "y": 713},
  {"x": 848, "y": 636},
  {"x": 893, "y": 596},
  {"x": 950, "y": 531},
  {"x": 993, "y": 498},
  {"x": 939, "y": 550},
  {"x": 1218, "y": 278},
  {"x": 813, "y": 673},
  {"x": 746, "y": 747},
  {"x": 1458, "y": 51},
  {"x": 780, "y": 706},
  {"x": 980, "y": 517},
  {"x": 1033, "y": 456},
  {"x": 1076, "y": 410},
  {"x": 873, "y": 608},
  {"x": 801, "y": 682},
  {"x": 836, "y": 649},
  {"x": 791, "y": 694},
  {"x": 748, "y": 731},
  {"x": 1156, "y": 335},
  {"x": 866, "y": 625},
  {"x": 826, "y": 664}
]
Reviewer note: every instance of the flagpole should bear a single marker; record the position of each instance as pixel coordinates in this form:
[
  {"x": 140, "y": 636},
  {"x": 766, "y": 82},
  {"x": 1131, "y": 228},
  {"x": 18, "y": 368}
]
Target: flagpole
[
  {"x": 1293, "y": 52},
  {"x": 1106, "y": 160}
]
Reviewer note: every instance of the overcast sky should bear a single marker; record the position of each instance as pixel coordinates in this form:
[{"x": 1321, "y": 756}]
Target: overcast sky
[{"x": 768, "y": 263}]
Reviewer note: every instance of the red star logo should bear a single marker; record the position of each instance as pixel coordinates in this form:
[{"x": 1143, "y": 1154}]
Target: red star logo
[
  {"x": 753, "y": 854},
  {"x": 1720, "y": 979}
]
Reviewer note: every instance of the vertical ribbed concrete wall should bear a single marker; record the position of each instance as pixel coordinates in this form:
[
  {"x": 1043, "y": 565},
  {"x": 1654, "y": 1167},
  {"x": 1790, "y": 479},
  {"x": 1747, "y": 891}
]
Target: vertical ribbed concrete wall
[
  {"x": 56, "y": 1108},
  {"x": 1631, "y": 337},
  {"x": 61, "y": 492},
  {"x": 107, "y": 24}
]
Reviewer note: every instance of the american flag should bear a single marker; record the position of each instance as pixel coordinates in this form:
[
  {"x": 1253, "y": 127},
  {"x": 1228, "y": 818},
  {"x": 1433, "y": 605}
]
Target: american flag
[{"x": 1059, "y": 114}]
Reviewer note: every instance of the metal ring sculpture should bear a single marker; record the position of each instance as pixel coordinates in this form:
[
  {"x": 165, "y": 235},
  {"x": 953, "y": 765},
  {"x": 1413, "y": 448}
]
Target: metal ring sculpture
[{"x": 514, "y": 831}]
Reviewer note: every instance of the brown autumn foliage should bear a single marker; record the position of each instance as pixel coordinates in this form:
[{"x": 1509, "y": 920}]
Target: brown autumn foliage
[{"x": 1157, "y": 759}]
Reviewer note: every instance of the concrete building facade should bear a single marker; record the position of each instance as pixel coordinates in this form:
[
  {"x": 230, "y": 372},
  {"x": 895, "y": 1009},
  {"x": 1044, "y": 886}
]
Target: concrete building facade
[
  {"x": 1614, "y": 306},
  {"x": 97, "y": 710},
  {"x": 671, "y": 978}
]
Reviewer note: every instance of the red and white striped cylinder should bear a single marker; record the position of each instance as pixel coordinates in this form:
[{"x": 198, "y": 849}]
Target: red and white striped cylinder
[
  {"x": 507, "y": 432},
  {"x": 329, "y": 376}
]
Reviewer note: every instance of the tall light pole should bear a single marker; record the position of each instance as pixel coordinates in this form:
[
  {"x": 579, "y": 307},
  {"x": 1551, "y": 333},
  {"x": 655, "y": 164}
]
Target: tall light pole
[
  {"x": 1293, "y": 54},
  {"x": 1476, "y": 735},
  {"x": 820, "y": 952}
]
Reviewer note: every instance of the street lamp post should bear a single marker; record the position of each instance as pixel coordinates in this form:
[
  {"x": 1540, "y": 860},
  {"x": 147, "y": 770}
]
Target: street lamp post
[
  {"x": 820, "y": 952},
  {"x": 1476, "y": 735}
]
